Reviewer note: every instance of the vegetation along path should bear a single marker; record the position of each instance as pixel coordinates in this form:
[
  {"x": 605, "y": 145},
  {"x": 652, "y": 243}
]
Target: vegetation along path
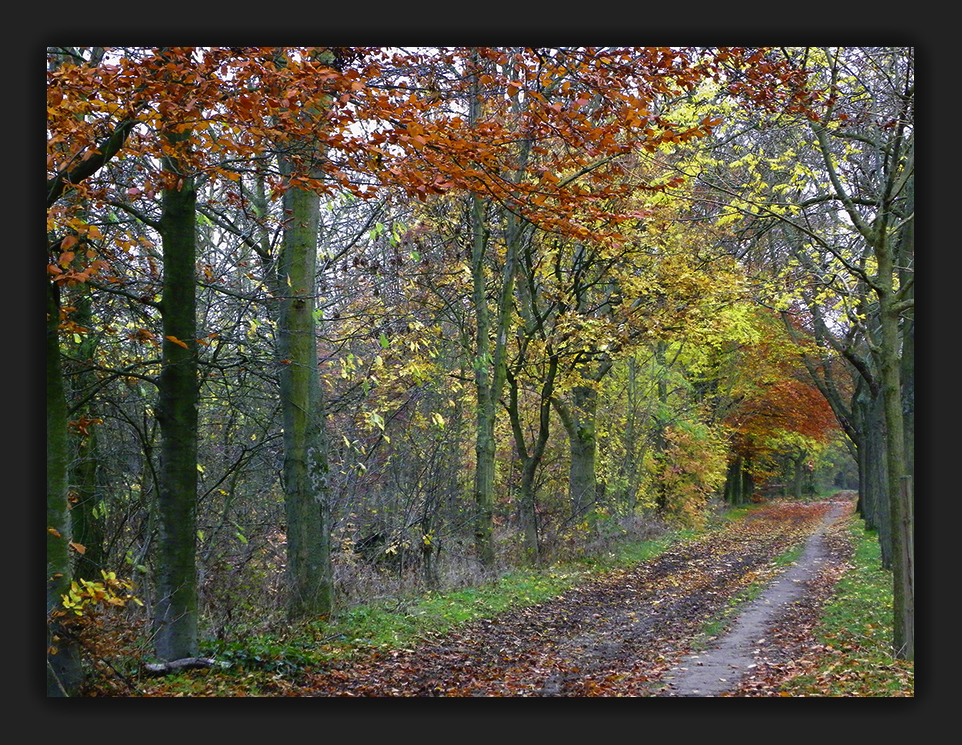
[{"x": 642, "y": 631}]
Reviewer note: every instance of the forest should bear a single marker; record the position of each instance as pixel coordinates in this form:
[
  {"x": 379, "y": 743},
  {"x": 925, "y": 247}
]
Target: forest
[{"x": 328, "y": 324}]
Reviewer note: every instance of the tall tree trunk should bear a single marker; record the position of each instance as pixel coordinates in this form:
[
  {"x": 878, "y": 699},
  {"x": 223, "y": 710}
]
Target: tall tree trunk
[
  {"x": 310, "y": 577},
  {"x": 889, "y": 356},
  {"x": 175, "y": 610},
  {"x": 306, "y": 486},
  {"x": 906, "y": 262},
  {"x": 488, "y": 362},
  {"x": 485, "y": 380},
  {"x": 63, "y": 659},
  {"x": 490, "y": 374},
  {"x": 900, "y": 507}
]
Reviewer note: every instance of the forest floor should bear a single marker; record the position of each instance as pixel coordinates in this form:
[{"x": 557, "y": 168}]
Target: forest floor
[{"x": 644, "y": 631}]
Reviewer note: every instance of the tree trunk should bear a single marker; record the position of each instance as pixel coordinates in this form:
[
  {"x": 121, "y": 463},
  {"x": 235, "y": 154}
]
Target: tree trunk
[
  {"x": 87, "y": 525},
  {"x": 64, "y": 673},
  {"x": 661, "y": 442},
  {"x": 531, "y": 459},
  {"x": 900, "y": 514},
  {"x": 175, "y": 610},
  {"x": 580, "y": 424},
  {"x": 732, "y": 480},
  {"x": 527, "y": 498},
  {"x": 310, "y": 577},
  {"x": 485, "y": 380},
  {"x": 888, "y": 354},
  {"x": 799, "y": 472},
  {"x": 873, "y": 470},
  {"x": 306, "y": 487}
]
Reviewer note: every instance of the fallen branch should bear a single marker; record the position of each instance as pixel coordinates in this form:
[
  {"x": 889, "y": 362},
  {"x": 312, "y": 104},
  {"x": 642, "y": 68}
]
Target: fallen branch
[{"x": 185, "y": 663}]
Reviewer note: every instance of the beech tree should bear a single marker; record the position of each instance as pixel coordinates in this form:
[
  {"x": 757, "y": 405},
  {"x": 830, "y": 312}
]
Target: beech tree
[
  {"x": 305, "y": 470},
  {"x": 175, "y": 609},
  {"x": 779, "y": 412}
]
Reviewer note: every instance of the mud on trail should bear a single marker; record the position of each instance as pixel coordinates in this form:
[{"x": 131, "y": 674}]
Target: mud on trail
[{"x": 636, "y": 632}]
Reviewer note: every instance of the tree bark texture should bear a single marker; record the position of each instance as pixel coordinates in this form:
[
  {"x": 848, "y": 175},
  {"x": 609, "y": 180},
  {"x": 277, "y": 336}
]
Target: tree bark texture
[
  {"x": 305, "y": 470},
  {"x": 873, "y": 469},
  {"x": 86, "y": 519},
  {"x": 532, "y": 458},
  {"x": 900, "y": 509},
  {"x": 175, "y": 610}
]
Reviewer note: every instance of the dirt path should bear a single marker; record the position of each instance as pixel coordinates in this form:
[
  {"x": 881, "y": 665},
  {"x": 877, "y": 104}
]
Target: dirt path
[
  {"x": 632, "y": 633},
  {"x": 722, "y": 667}
]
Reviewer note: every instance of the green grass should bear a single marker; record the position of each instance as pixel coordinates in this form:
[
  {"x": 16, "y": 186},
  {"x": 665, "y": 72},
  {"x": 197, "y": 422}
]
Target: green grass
[{"x": 397, "y": 624}]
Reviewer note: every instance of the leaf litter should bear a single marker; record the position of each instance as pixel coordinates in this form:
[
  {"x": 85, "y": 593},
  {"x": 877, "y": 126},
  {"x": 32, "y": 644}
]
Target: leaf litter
[{"x": 636, "y": 631}]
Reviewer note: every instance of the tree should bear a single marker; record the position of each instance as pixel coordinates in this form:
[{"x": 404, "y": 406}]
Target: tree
[
  {"x": 531, "y": 238},
  {"x": 885, "y": 225},
  {"x": 63, "y": 660},
  {"x": 175, "y": 608},
  {"x": 72, "y": 166},
  {"x": 306, "y": 486},
  {"x": 841, "y": 196}
]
